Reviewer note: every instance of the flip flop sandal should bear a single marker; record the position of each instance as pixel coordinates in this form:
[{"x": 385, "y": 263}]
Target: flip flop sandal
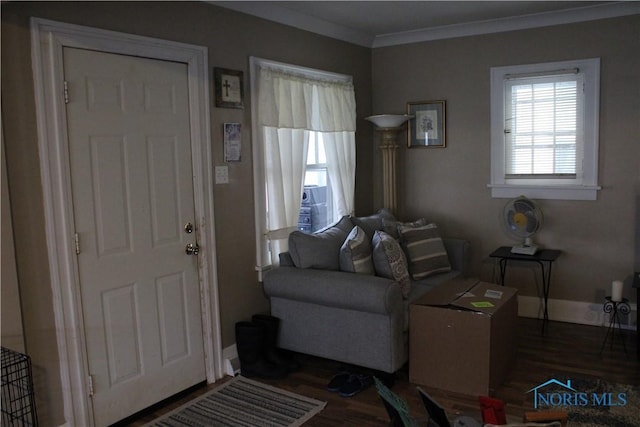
[
  {"x": 338, "y": 381},
  {"x": 355, "y": 384}
]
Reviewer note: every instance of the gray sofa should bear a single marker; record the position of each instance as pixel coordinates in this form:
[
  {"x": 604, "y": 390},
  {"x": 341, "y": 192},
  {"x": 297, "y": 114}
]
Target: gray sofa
[{"x": 358, "y": 319}]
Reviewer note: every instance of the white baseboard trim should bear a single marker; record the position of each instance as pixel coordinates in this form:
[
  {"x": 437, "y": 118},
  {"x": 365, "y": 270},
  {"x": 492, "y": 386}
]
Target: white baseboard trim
[
  {"x": 580, "y": 312},
  {"x": 230, "y": 360}
]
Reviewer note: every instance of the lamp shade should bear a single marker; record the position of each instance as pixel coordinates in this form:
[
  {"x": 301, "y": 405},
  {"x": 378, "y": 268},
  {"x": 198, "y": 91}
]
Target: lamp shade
[{"x": 388, "y": 120}]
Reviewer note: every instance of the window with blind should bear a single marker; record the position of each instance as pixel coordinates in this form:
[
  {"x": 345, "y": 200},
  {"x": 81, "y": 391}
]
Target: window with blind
[{"x": 545, "y": 130}]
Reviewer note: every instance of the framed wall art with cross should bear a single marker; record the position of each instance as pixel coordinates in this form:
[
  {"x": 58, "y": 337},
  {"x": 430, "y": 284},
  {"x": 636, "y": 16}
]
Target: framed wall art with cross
[{"x": 229, "y": 88}]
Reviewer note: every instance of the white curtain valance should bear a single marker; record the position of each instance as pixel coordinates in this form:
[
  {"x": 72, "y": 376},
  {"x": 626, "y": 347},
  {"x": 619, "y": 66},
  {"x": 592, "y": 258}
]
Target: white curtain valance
[{"x": 290, "y": 101}]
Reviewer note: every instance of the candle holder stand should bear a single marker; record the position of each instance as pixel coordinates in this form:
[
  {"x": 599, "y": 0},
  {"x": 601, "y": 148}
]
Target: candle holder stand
[{"x": 614, "y": 309}]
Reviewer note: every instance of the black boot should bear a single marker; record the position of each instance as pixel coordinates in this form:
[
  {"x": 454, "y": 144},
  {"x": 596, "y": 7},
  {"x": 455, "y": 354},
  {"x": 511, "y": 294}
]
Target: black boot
[
  {"x": 272, "y": 354},
  {"x": 250, "y": 341}
]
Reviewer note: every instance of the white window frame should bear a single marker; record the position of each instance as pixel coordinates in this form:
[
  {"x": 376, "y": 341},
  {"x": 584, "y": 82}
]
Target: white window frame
[{"x": 583, "y": 187}]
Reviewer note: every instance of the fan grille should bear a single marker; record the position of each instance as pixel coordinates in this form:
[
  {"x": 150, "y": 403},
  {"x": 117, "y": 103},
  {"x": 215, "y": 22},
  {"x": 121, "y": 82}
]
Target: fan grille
[{"x": 522, "y": 217}]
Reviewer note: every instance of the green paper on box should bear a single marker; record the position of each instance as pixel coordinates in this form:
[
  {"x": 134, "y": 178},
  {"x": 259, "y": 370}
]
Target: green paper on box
[{"x": 482, "y": 304}]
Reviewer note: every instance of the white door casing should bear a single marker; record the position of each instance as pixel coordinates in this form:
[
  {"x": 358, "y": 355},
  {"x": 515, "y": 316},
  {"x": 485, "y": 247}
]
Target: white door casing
[
  {"x": 49, "y": 39},
  {"x": 130, "y": 158}
]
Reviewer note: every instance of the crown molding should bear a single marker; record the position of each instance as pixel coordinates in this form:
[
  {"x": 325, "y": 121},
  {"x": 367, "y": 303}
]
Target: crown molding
[
  {"x": 568, "y": 16},
  {"x": 275, "y": 13},
  {"x": 299, "y": 20}
]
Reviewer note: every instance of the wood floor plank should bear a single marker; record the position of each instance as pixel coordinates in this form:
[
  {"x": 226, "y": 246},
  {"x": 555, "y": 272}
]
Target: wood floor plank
[{"x": 567, "y": 349}]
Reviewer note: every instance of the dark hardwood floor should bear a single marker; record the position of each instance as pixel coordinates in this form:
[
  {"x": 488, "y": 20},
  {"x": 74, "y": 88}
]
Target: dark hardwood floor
[{"x": 567, "y": 349}]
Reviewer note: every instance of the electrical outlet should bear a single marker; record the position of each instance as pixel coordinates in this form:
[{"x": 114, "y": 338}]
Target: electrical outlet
[{"x": 222, "y": 174}]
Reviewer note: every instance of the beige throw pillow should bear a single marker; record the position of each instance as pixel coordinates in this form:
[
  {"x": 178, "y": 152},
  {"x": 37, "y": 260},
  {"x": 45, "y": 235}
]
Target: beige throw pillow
[{"x": 355, "y": 253}]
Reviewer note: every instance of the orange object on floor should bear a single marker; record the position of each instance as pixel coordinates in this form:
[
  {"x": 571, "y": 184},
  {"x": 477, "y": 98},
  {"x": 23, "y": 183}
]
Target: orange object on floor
[{"x": 492, "y": 410}]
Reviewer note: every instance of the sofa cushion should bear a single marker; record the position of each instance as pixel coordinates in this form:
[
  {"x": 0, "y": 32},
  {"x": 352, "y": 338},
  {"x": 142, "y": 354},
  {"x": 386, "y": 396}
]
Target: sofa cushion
[
  {"x": 389, "y": 260},
  {"x": 370, "y": 224},
  {"x": 355, "y": 253},
  {"x": 425, "y": 250},
  {"x": 319, "y": 250}
]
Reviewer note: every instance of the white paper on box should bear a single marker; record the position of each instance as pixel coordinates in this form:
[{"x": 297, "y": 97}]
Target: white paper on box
[{"x": 491, "y": 293}]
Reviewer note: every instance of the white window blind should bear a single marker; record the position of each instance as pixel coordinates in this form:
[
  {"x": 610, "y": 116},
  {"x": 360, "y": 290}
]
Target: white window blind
[{"x": 543, "y": 126}]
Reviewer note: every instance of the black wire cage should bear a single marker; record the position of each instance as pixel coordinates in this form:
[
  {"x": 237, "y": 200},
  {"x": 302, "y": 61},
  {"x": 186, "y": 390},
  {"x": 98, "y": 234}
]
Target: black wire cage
[{"x": 18, "y": 402}]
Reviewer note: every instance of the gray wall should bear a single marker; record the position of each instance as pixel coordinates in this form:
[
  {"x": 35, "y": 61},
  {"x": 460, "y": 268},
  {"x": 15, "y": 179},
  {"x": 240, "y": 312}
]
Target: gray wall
[
  {"x": 449, "y": 185},
  {"x": 231, "y": 38}
]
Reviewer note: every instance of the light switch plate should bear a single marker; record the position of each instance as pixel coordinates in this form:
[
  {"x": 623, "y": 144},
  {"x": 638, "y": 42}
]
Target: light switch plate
[{"x": 222, "y": 174}]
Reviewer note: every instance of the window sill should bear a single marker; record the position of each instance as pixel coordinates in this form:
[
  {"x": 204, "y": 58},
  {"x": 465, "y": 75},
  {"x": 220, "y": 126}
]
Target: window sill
[{"x": 551, "y": 192}]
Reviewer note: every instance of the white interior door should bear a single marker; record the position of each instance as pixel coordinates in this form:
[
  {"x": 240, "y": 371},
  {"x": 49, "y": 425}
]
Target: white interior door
[{"x": 131, "y": 172}]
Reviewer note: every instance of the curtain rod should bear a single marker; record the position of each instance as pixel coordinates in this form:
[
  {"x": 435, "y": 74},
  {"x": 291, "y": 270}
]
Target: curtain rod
[{"x": 282, "y": 66}]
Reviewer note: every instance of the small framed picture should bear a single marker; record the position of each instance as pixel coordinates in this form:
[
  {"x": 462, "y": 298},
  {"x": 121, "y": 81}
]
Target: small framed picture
[
  {"x": 427, "y": 127},
  {"x": 232, "y": 142},
  {"x": 229, "y": 88}
]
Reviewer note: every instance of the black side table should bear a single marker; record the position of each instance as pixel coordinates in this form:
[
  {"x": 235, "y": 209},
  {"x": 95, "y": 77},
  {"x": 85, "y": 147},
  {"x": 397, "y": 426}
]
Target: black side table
[
  {"x": 613, "y": 308},
  {"x": 541, "y": 257}
]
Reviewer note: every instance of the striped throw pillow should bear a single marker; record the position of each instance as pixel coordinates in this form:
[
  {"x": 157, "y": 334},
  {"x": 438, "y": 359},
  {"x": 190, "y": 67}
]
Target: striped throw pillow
[
  {"x": 392, "y": 227},
  {"x": 425, "y": 250},
  {"x": 355, "y": 253}
]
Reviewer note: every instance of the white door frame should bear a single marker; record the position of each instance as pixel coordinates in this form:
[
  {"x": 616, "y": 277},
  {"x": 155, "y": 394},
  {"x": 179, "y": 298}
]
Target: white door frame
[{"x": 48, "y": 38}]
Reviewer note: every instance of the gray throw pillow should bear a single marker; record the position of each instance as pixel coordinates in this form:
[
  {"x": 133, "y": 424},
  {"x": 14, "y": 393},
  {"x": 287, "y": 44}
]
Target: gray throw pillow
[
  {"x": 355, "y": 253},
  {"x": 425, "y": 250},
  {"x": 389, "y": 261},
  {"x": 370, "y": 224},
  {"x": 319, "y": 250}
]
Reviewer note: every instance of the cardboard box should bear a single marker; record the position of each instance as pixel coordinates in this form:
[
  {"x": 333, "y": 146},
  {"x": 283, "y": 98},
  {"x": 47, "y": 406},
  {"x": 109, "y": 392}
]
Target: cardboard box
[{"x": 463, "y": 336}]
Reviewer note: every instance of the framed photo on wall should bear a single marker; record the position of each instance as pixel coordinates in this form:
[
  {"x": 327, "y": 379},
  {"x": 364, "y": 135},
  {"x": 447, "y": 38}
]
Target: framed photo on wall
[
  {"x": 229, "y": 88},
  {"x": 427, "y": 127}
]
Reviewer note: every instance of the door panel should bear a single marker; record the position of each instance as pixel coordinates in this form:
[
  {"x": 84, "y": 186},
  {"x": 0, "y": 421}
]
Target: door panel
[
  {"x": 172, "y": 309},
  {"x": 121, "y": 332},
  {"x": 131, "y": 172},
  {"x": 164, "y": 191},
  {"x": 108, "y": 165}
]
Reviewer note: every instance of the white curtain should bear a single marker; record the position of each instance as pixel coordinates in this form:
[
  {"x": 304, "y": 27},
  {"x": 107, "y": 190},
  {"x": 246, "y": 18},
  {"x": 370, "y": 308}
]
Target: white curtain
[
  {"x": 340, "y": 148},
  {"x": 290, "y": 105},
  {"x": 285, "y": 153}
]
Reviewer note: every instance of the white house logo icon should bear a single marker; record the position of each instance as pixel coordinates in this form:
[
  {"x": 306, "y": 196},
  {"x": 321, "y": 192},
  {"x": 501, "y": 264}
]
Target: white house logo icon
[
  {"x": 548, "y": 398},
  {"x": 563, "y": 394}
]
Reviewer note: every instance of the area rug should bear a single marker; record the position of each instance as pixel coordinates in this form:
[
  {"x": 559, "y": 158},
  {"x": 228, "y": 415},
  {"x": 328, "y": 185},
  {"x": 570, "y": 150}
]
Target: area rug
[
  {"x": 243, "y": 402},
  {"x": 598, "y": 403}
]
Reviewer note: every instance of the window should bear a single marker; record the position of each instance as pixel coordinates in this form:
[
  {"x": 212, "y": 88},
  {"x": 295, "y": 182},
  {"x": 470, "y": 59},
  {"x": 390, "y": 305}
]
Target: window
[
  {"x": 316, "y": 209},
  {"x": 303, "y": 130},
  {"x": 544, "y": 130}
]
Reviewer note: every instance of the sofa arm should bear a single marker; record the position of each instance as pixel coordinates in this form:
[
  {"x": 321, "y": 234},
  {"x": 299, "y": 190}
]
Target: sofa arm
[
  {"x": 351, "y": 291},
  {"x": 459, "y": 254}
]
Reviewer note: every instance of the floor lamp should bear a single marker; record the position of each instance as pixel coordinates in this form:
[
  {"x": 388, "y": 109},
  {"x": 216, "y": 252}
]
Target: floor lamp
[{"x": 389, "y": 127}]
